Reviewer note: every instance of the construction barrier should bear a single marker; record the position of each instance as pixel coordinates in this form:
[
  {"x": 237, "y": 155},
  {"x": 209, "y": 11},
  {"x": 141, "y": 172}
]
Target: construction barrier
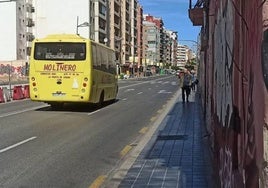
[
  {"x": 1, "y": 96},
  {"x": 26, "y": 92},
  {"x": 7, "y": 95},
  {"x": 17, "y": 93}
]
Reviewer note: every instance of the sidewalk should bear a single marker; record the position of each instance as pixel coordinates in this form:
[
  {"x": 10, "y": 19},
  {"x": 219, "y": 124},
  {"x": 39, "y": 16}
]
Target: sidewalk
[{"x": 178, "y": 154}]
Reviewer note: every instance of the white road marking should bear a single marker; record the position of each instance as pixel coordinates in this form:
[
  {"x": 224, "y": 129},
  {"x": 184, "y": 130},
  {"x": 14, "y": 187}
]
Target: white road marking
[
  {"x": 133, "y": 85},
  {"x": 18, "y": 144},
  {"x": 164, "y": 91},
  {"x": 93, "y": 112},
  {"x": 174, "y": 83},
  {"x": 139, "y": 93},
  {"x": 129, "y": 90},
  {"x": 124, "y": 99},
  {"x": 21, "y": 111}
]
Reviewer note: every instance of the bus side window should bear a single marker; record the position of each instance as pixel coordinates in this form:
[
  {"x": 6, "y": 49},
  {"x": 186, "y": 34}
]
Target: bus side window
[
  {"x": 102, "y": 59},
  {"x": 105, "y": 59},
  {"x": 98, "y": 56},
  {"x": 94, "y": 56},
  {"x": 110, "y": 62}
]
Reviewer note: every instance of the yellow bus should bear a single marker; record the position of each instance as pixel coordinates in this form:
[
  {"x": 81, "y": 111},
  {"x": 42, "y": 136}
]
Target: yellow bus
[{"x": 67, "y": 68}]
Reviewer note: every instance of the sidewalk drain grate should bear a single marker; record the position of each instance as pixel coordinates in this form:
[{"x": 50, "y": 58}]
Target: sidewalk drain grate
[{"x": 172, "y": 137}]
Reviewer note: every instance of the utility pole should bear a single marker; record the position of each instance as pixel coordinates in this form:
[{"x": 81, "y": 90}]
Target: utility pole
[
  {"x": 89, "y": 19},
  {"x": 7, "y": 1}
]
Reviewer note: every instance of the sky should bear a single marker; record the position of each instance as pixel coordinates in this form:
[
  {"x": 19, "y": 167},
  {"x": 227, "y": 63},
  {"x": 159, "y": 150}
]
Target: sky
[
  {"x": 174, "y": 14},
  {"x": 7, "y": 31}
]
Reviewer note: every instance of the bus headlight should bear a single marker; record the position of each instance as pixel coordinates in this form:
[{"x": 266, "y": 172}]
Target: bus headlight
[
  {"x": 83, "y": 90},
  {"x": 35, "y": 89},
  {"x": 33, "y": 78}
]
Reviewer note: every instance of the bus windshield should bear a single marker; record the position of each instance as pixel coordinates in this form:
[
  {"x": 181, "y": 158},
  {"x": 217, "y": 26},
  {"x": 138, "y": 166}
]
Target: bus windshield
[{"x": 66, "y": 51}]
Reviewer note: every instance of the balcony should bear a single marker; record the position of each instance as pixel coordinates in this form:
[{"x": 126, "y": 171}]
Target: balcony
[
  {"x": 196, "y": 12},
  {"x": 196, "y": 16}
]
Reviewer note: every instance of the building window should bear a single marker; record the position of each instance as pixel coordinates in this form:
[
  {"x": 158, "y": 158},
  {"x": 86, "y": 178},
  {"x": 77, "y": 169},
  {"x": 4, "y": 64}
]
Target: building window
[
  {"x": 102, "y": 10},
  {"x": 102, "y": 23},
  {"x": 151, "y": 42}
]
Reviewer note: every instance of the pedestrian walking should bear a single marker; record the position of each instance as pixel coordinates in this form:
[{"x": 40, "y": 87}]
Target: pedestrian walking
[
  {"x": 193, "y": 82},
  {"x": 185, "y": 81}
]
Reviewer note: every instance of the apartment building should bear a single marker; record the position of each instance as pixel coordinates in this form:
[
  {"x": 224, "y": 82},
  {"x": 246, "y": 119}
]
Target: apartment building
[
  {"x": 164, "y": 48},
  {"x": 174, "y": 47},
  {"x": 99, "y": 20},
  {"x": 140, "y": 44},
  {"x": 115, "y": 35},
  {"x": 125, "y": 28},
  {"x": 116, "y": 23},
  {"x": 161, "y": 49},
  {"x": 25, "y": 24},
  {"x": 182, "y": 55},
  {"x": 151, "y": 37},
  {"x": 20, "y": 34},
  {"x": 170, "y": 44}
]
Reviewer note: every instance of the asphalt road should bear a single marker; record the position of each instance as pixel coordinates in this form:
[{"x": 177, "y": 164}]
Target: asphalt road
[{"x": 79, "y": 145}]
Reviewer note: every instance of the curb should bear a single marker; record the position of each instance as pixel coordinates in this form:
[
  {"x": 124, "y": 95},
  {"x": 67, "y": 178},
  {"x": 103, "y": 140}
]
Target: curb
[{"x": 117, "y": 174}]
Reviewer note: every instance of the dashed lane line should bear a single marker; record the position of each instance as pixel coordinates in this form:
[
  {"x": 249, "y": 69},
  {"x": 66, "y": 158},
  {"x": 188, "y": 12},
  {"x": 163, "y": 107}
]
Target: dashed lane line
[
  {"x": 93, "y": 112},
  {"x": 144, "y": 130},
  {"x": 126, "y": 149},
  {"x": 17, "y": 144},
  {"x": 98, "y": 182},
  {"x": 22, "y": 111}
]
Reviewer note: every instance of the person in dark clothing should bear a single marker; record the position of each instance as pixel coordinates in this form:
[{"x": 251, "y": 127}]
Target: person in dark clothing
[{"x": 185, "y": 84}]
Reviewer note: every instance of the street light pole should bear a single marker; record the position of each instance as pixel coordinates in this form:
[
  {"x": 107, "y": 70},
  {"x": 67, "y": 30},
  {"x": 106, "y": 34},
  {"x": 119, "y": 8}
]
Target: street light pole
[
  {"x": 7, "y": 1},
  {"x": 9, "y": 77},
  {"x": 89, "y": 19},
  {"x": 85, "y": 24},
  {"x": 77, "y": 21},
  {"x": 133, "y": 62}
]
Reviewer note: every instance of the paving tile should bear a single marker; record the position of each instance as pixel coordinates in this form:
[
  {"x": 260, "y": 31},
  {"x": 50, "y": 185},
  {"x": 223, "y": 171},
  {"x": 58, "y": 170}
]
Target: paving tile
[{"x": 177, "y": 157}]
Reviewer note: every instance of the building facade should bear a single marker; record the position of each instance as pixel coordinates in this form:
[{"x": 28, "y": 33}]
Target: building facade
[
  {"x": 137, "y": 39},
  {"x": 25, "y": 24},
  {"x": 152, "y": 42},
  {"x": 99, "y": 21},
  {"x": 182, "y": 55}
]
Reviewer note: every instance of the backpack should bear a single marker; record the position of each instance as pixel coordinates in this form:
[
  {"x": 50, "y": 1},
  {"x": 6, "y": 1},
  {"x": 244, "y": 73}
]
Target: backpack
[{"x": 187, "y": 80}]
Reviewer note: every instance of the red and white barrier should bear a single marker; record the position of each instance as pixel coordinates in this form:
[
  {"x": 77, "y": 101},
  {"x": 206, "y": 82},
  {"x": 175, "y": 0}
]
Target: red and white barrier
[
  {"x": 26, "y": 91},
  {"x": 7, "y": 95},
  {"x": 1, "y": 96},
  {"x": 17, "y": 93}
]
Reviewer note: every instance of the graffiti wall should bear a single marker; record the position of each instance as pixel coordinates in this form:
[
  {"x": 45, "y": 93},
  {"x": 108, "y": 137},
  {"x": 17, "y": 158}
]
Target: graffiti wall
[
  {"x": 264, "y": 173},
  {"x": 14, "y": 71},
  {"x": 234, "y": 95}
]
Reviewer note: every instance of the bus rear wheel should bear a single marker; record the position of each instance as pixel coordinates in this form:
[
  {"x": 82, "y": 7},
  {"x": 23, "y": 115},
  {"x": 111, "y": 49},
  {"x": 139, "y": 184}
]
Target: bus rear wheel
[{"x": 101, "y": 100}]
